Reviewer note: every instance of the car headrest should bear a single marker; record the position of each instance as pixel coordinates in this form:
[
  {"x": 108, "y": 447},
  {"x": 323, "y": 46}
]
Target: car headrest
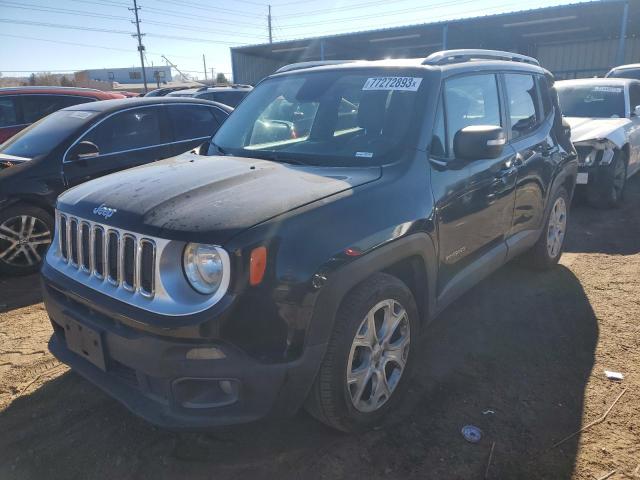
[{"x": 371, "y": 111}]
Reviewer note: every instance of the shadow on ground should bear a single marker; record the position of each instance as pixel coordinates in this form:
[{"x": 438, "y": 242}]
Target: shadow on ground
[
  {"x": 520, "y": 345},
  {"x": 18, "y": 292},
  {"x": 609, "y": 231}
]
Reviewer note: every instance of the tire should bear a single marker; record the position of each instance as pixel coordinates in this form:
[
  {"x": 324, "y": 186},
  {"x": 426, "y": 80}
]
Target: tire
[
  {"x": 547, "y": 251},
  {"x": 608, "y": 192},
  {"x": 26, "y": 232},
  {"x": 363, "y": 402}
]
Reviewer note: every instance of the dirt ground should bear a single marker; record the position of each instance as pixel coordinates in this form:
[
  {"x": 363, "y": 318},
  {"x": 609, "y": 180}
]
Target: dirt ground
[{"x": 530, "y": 347}]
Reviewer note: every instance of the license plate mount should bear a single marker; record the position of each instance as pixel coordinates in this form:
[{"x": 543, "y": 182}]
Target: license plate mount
[{"x": 85, "y": 342}]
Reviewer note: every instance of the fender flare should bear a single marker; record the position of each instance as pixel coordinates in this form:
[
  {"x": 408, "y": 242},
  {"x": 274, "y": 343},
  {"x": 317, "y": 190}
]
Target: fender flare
[{"x": 343, "y": 280}]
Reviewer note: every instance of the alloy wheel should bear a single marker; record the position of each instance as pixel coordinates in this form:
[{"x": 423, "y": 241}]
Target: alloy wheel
[
  {"x": 378, "y": 355},
  {"x": 24, "y": 239},
  {"x": 557, "y": 227}
]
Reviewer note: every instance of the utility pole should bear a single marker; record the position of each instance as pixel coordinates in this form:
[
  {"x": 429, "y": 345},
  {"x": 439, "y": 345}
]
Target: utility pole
[
  {"x": 140, "y": 46},
  {"x": 213, "y": 77},
  {"x": 269, "y": 25},
  {"x": 184, "y": 77},
  {"x": 204, "y": 62}
]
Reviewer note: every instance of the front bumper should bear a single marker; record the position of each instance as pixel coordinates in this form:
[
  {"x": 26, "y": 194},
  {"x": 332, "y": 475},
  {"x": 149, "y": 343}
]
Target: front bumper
[{"x": 157, "y": 378}]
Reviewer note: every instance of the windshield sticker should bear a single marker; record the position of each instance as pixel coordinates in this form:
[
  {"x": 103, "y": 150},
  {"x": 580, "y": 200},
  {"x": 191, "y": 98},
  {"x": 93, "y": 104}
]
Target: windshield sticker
[
  {"x": 608, "y": 89},
  {"x": 364, "y": 154},
  {"x": 81, "y": 115},
  {"x": 409, "y": 84}
]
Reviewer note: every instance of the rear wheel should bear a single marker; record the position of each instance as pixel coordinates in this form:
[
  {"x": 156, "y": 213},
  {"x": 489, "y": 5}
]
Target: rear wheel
[
  {"x": 25, "y": 235},
  {"x": 367, "y": 365},
  {"x": 548, "y": 249},
  {"x": 609, "y": 192}
]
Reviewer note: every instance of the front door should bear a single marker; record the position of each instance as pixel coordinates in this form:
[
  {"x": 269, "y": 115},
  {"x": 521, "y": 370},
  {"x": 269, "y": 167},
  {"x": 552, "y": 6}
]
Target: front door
[
  {"x": 125, "y": 139},
  {"x": 474, "y": 199}
]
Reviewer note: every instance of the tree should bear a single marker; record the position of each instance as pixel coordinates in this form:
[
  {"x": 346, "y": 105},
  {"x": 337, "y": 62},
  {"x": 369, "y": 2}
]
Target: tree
[
  {"x": 65, "y": 82},
  {"x": 32, "y": 79},
  {"x": 221, "y": 79}
]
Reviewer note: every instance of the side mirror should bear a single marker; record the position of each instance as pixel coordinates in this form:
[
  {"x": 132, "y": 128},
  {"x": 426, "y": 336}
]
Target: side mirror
[
  {"x": 478, "y": 142},
  {"x": 636, "y": 111},
  {"x": 83, "y": 151}
]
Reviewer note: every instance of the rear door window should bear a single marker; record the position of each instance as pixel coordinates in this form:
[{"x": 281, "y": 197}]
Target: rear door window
[
  {"x": 634, "y": 95},
  {"x": 35, "y": 107},
  {"x": 129, "y": 130},
  {"x": 191, "y": 121},
  {"x": 8, "y": 113},
  {"x": 524, "y": 105}
]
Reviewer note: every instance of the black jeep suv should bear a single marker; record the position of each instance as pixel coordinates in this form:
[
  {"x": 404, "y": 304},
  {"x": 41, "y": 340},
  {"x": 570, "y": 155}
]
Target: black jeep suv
[{"x": 341, "y": 208}]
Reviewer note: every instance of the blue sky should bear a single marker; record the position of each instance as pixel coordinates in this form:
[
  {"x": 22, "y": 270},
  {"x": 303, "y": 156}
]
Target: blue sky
[{"x": 197, "y": 27}]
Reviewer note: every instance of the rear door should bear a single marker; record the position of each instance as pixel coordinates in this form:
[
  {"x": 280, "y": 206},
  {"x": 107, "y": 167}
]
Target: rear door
[
  {"x": 124, "y": 139},
  {"x": 192, "y": 125},
  {"x": 529, "y": 130}
]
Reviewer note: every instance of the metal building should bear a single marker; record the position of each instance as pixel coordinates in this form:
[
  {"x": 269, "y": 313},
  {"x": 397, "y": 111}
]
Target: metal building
[
  {"x": 161, "y": 74},
  {"x": 575, "y": 40}
]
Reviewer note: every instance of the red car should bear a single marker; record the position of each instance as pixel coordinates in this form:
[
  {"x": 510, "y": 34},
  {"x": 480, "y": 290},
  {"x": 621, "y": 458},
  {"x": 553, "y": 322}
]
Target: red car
[{"x": 21, "y": 106}]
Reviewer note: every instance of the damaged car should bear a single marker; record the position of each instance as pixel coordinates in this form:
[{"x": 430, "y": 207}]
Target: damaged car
[{"x": 604, "y": 115}]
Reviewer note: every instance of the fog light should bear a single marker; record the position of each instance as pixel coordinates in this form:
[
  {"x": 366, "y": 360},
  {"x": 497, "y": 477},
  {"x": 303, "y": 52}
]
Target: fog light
[
  {"x": 205, "y": 353},
  {"x": 205, "y": 392}
]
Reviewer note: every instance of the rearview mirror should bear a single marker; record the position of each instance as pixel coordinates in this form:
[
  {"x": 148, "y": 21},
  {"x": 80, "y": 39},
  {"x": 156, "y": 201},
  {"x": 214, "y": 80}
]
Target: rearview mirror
[
  {"x": 84, "y": 151},
  {"x": 478, "y": 142}
]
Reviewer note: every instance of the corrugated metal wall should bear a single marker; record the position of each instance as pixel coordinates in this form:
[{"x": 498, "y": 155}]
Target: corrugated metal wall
[
  {"x": 250, "y": 69},
  {"x": 586, "y": 59}
]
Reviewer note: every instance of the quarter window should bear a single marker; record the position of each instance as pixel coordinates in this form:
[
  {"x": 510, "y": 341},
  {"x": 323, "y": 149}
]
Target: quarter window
[
  {"x": 191, "y": 121},
  {"x": 471, "y": 100},
  {"x": 8, "y": 115},
  {"x": 128, "y": 130},
  {"x": 545, "y": 96},
  {"x": 523, "y": 104}
]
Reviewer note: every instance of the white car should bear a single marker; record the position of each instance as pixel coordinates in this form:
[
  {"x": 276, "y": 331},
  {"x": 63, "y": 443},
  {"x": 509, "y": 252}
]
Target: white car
[{"x": 604, "y": 115}]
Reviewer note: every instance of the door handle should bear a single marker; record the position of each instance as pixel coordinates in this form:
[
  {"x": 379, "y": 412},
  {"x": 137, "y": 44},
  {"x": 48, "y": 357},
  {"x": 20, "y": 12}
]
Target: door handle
[{"x": 519, "y": 160}]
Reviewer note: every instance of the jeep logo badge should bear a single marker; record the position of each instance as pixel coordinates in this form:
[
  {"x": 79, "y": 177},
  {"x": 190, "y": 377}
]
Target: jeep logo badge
[{"x": 104, "y": 211}]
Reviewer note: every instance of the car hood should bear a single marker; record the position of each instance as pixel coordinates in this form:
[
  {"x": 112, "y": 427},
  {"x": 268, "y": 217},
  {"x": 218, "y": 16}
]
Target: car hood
[
  {"x": 585, "y": 129},
  {"x": 198, "y": 198}
]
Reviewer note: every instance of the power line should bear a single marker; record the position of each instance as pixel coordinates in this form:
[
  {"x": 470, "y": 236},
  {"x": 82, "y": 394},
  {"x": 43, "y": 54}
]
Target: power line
[
  {"x": 172, "y": 13},
  {"x": 191, "y": 28},
  {"x": 87, "y": 45},
  {"x": 377, "y": 15},
  {"x": 104, "y": 30},
  {"x": 199, "y": 6}
]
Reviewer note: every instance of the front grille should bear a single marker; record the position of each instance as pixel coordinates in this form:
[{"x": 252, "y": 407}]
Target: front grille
[{"x": 121, "y": 259}]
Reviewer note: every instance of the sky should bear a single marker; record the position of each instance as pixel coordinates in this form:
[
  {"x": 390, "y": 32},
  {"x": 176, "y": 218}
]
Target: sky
[{"x": 71, "y": 35}]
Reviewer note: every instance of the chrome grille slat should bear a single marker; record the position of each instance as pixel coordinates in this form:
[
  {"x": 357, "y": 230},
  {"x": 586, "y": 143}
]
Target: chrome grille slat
[{"x": 120, "y": 259}]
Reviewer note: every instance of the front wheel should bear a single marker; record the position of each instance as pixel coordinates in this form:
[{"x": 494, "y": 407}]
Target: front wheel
[
  {"x": 367, "y": 365},
  {"x": 548, "y": 249},
  {"x": 25, "y": 235}
]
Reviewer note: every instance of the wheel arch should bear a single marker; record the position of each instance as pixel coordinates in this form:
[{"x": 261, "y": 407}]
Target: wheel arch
[{"x": 411, "y": 259}]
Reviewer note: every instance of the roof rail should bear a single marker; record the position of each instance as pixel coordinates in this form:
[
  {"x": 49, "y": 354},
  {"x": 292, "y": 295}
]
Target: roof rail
[
  {"x": 316, "y": 63},
  {"x": 466, "y": 55}
]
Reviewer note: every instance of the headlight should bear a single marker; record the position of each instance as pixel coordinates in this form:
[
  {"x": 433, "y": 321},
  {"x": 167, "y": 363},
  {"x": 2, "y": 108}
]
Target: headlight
[{"x": 203, "y": 267}]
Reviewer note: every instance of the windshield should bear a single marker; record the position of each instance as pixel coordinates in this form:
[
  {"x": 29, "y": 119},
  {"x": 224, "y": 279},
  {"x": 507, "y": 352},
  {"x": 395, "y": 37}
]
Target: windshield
[
  {"x": 596, "y": 101},
  {"x": 625, "y": 73},
  {"x": 334, "y": 118},
  {"x": 46, "y": 134}
]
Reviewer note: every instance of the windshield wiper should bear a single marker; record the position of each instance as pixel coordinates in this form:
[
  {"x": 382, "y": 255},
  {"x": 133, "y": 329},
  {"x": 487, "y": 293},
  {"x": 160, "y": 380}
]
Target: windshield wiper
[{"x": 275, "y": 157}]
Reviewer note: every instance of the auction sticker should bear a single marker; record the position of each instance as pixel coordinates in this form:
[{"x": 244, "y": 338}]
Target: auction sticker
[
  {"x": 608, "y": 89},
  {"x": 409, "y": 84}
]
